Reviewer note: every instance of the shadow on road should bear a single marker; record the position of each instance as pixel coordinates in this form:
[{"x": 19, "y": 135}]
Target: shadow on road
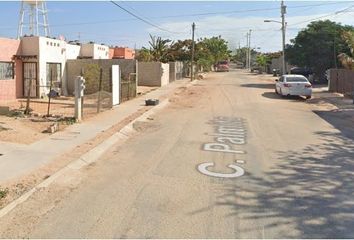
[
  {"x": 259, "y": 85},
  {"x": 343, "y": 120},
  {"x": 308, "y": 194},
  {"x": 273, "y": 95}
]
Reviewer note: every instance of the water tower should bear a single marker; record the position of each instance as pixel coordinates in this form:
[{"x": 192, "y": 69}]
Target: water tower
[{"x": 33, "y": 19}]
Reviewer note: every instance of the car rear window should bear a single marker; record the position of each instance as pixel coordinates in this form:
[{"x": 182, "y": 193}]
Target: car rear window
[
  {"x": 223, "y": 62},
  {"x": 296, "y": 79}
]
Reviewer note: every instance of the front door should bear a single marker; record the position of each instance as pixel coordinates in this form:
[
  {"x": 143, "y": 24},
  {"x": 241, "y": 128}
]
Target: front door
[{"x": 30, "y": 79}]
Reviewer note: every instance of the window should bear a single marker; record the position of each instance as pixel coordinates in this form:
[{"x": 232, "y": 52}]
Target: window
[
  {"x": 53, "y": 74},
  {"x": 6, "y": 70},
  {"x": 296, "y": 79}
]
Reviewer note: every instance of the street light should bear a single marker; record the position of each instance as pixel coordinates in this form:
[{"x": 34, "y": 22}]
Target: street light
[{"x": 283, "y": 25}]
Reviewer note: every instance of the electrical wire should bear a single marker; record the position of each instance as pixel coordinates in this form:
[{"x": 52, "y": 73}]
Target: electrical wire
[
  {"x": 324, "y": 16},
  {"x": 142, "y": 19},
  {"x": 187, "y": 15}
]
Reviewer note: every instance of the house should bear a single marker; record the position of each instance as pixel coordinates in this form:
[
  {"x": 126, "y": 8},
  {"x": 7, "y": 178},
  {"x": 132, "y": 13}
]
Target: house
[
  {"x": 34, "y": 64},
  {"x": 94, "y": 51},
  {"x": 122, "y": 53},
  {"x": 10, "y": 69}
]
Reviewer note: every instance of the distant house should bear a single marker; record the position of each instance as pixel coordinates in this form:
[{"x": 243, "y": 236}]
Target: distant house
[{"x": 122, "y": 53}]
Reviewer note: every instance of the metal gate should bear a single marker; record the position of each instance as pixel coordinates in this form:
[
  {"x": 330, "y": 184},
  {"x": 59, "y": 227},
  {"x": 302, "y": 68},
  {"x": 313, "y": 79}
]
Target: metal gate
[{"x": 30, "y": 79}]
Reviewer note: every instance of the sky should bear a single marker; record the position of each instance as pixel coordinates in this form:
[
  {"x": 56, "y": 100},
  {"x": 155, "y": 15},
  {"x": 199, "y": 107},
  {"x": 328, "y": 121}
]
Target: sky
[{"x": 104, "y": 22}]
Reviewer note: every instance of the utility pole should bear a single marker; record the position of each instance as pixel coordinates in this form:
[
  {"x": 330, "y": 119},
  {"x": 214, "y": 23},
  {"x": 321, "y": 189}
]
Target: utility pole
[
  {"x": 192, "y": 60},
  {"x": 283, "y": 25},
  {"x": 249, "y": 49}
]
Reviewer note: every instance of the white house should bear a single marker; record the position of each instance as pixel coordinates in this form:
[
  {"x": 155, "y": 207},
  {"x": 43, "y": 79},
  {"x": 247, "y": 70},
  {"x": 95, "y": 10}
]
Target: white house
[
  {"x": 44, "y": 61},
  {"x": 94, "y": 51}
]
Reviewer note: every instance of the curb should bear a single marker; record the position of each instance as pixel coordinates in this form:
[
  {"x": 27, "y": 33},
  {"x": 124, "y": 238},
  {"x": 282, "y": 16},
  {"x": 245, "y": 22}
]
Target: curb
[{"x": 91, "y": 156}]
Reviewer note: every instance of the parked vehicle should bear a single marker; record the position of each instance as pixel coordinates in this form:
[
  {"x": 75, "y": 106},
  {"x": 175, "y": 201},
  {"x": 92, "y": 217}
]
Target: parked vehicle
[
  {"x": 306, "y": 72},
  {"x": 293, "y": 85},
  {"x": 222, "y": 66}
]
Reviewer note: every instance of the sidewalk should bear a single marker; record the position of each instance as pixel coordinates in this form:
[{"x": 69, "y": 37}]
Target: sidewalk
[
  {"x": 17, "y": 159},
  {"x": 342, "y": 104}
]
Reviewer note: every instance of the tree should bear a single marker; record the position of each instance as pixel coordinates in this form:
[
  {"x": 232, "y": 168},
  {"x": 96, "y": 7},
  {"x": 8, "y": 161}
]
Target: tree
[
  {"x": 208, "y": 51},
  {"x": 262, "y": 61},
  {"x": 241, "y": 55},
  {"x": 316, "y": 46},
  {"x": 347, "y": 59},
  {"x": 180, "y": 50},
  {"x": 144, "y": 55},
  {"x": 217, "y": 47},
  {"x": 159, "y": 48}
]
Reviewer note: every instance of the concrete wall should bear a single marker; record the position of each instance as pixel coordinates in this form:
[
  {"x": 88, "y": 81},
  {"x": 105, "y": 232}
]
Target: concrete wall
[
  {"x": 153, "y": 74},
  {"x": 74, "y": 67},
  {"x": 341, "y": 81},
  {"x": 165, "y": 74},
  {"x": 111, "y": 53},
  {"x": 176, "y": 71},
  {"x": 51, "y": 51},
  {"x": 72, "y": 51},
  {"x": 8, "y": 87}
]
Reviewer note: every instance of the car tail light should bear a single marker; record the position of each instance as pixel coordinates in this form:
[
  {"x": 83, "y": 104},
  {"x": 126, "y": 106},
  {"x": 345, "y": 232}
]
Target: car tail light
[
  {"x": 308, "y": 86},
  {"x": 287, "y": 85}
]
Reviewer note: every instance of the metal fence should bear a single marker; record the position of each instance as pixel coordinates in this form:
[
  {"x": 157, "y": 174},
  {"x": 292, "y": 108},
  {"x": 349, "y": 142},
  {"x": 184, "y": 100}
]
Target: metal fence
[
  {"x": 128, "y": 88},
  {"x": 98, "y": 90},
  {"x": 341, "y": 81},
  {"x": 43, "y": 100},
  {"x": 49, "y": 101}
]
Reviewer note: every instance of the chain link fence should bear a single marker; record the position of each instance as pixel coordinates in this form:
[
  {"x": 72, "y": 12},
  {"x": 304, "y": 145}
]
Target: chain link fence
[{"x": 48, "y": 101}]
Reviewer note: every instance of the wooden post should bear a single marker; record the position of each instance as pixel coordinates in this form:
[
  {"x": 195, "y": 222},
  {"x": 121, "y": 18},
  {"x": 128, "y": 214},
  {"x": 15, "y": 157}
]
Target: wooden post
[
  {"x": 50, "y": 90},
  {"x": 99, "y": 92},
  {"x": 27, "y": 110}
]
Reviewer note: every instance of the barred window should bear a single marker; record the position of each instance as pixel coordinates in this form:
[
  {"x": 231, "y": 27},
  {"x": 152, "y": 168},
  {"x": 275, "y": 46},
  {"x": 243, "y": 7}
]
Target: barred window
[{"x": 6, "y": 70}]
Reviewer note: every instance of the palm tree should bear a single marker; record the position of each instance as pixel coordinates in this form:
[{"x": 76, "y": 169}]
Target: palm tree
[{"x": 159, "y": 48}]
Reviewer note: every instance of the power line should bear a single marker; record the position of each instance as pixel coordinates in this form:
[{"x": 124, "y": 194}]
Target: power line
[
  {"x": 189, "y": 15},
  {"x": 324, "y": 16},
  {"x": 142, "y": 19}
]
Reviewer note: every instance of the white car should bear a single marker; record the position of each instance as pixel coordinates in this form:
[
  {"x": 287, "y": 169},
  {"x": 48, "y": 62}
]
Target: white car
[{"x": 293, "y": 85}]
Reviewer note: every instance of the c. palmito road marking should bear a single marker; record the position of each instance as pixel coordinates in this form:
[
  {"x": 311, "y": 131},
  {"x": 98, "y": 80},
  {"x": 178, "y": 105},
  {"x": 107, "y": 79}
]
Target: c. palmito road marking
[
  {"x": 203, "y": 168},
  {"x": 228, "y": 133}
]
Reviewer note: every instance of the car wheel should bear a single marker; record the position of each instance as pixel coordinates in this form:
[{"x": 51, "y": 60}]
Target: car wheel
[{"x": 308, "y": 97}]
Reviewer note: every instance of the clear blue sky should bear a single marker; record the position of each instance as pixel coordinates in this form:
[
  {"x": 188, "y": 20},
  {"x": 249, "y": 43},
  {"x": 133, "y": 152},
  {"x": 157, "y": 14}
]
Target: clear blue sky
[{"x": 94, "y": 20}]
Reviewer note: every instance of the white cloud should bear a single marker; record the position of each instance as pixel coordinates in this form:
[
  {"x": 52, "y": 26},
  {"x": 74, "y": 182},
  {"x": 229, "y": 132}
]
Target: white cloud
[{"x": 267, "y": 36}]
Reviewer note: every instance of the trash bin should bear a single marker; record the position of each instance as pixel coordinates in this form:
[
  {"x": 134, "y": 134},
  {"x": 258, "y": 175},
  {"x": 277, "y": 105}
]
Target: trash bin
[{"x": 151, "y": 102}]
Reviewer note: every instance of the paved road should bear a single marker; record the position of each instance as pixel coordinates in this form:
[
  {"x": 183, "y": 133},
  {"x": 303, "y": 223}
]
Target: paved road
[{"x": 226, "y": 159}]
